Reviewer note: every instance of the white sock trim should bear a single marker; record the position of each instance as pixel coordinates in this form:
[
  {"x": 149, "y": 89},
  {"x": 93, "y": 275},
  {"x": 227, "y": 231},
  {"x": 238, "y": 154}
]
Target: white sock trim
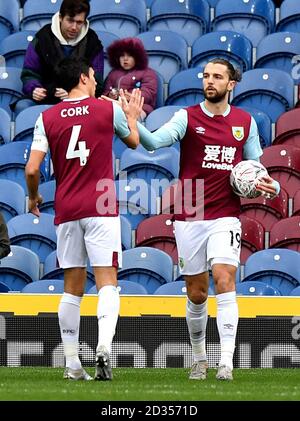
[
  {"x": 71, "y": 299},
  {"x": 226, "y": 296},
  {"x": 196, "y": 308}
]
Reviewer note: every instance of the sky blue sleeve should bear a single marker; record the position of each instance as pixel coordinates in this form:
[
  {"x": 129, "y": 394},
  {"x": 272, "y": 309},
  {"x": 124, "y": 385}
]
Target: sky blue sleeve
[
  {"x": 252, "y": 148},
  {"x": 120, "y": 122},
  {"x": 171, "y": 132}
]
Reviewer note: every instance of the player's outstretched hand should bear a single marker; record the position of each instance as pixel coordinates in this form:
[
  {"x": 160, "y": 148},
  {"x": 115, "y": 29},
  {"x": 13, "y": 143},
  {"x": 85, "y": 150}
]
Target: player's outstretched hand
[
  {"x": 134, "y": 106},
  {"x": 33, "y": 205},
  {"x": 267, "y": 187}
]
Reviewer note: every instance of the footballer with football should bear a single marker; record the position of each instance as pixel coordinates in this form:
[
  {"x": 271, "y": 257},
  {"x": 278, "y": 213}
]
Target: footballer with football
[{"x": 214, "y": 136}]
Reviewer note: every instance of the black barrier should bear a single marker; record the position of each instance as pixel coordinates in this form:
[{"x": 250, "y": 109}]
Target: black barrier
[{"x": 150, "y": 341}]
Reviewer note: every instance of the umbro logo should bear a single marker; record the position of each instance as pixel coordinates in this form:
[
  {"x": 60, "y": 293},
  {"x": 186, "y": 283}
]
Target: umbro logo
[
  {"x": 200, "y": 130},
  {"x": 228, "y": 326}
]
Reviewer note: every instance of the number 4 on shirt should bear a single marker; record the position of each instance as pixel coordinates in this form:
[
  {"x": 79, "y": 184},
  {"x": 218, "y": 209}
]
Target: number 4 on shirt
[{"x": 82, "y": 152}]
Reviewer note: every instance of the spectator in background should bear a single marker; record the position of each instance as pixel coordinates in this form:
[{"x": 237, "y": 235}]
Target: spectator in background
[
  {"x": 129, "y": 61},
  {"x": 4, "y": 239},
  {"x": 68, "y": 35}
]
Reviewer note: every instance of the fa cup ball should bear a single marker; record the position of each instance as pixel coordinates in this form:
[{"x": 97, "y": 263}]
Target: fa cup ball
[{"x": 245, "y": 176}]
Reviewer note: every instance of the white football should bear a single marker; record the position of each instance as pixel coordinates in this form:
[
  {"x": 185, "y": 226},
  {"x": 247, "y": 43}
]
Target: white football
[{"x": 245, "y": 176}]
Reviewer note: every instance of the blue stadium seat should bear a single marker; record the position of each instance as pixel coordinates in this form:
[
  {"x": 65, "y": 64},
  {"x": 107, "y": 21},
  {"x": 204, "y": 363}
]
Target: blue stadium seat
[
  {"x": 295, "y": 292},
  {"x": 46, "y": 286},
  {"x": 212, "y": 3},
  {"x": 264, "y": 125},
  {"x": 160, "y": 116},
  {"x": 118, "y": 147},
  {"x": 13, "y": 158},
  {"x": 37, "y": 234},
  {"x": 47, "y": 190},
  {"x": 4, "y": 287},
  {"x": 14, "y": 47},
  {"x": 256, "y": 288},
  {"x": 122, "y": 18},
  {"x": 160, "y": 93},
  {"x": 160, "y": 164},
  {"x": 232, "y": 46},
  {"x": 53, "y": 271},
  {"x": 252, "y": 18},
  {"x": 185, "y": 88},
  {"x": 12, "y": 199},
  {"x": 189, "y": 18},
  {"x": 4, "y": 127},
  {"x": 177, "y": 288},
  {"x": 125, "y": 287},
  {"x": 136, "y": 200},
  {"x": 289, "y": 16},
  {"x": 10, "y": 87},
  {"x": 37, "y": 13},
  {"x": 106, "y": 38},
  {"x": 167, "y": 52},
  {"x": 19, "y": 268},
  {"x": 269, "y": 90},
  {"x": 25, "y": 122},
  {"x": 147, "y": 266},
  {"x": 211, "y": 288},
  {"x": 9, "y": 21},
  {"x": 92, "y": 290},
  {"x": 276, "y": 267},
  {"x": 172, "y": 288},
  {"x": 277, "y": 51},
  {"x": 126, "y": 237}
]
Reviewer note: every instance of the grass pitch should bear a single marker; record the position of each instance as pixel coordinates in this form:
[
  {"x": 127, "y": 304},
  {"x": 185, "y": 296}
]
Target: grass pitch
[{"x": 129, "y": 384}]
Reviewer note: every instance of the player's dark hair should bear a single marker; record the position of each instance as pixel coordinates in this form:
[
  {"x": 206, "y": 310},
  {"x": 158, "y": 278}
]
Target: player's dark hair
[
  {"x": 74, "y": 7},
  {"x": 68, "y": 71},
  {"x": 234, "y": 73}
]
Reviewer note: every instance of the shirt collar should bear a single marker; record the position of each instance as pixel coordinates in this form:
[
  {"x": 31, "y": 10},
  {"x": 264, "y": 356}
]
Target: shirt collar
[
  {"x": 75, "y": 99},
  {"x": 209, "y": 114}
]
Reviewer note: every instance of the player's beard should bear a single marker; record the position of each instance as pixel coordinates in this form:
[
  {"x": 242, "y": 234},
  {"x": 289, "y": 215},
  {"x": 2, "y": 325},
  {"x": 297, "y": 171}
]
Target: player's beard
[{"x": 217, "y": 97}]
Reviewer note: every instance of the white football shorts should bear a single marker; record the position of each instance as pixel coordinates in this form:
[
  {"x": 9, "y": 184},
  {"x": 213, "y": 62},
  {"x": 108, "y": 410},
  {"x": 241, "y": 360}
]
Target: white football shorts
[
  {"x": 97, "y": 238},
  {"x": 201, "y": 244}
]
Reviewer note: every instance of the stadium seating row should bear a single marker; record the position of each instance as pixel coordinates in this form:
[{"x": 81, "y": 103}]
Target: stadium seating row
[
  {"x": 274, "y": 51},
  {"x": 287, "y": 129},
  {"x": 156, "y": 171},
  {"x": 265, "y": 222},
  {"x": 56, "y": 286},
  {"x": 254, "y": 18},
  {"x": 271, "y": 91},
  {"x": 277, "y": 269}
]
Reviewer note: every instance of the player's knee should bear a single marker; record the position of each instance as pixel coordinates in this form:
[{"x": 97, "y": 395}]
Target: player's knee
[
  {"x": 198, "y": 296},
  {"x": 224, "y": 283}
]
